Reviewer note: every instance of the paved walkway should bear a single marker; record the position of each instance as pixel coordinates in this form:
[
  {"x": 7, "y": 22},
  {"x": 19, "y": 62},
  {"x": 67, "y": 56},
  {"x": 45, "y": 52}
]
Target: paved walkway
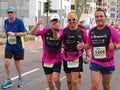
[{"x": 30, "y": 45}]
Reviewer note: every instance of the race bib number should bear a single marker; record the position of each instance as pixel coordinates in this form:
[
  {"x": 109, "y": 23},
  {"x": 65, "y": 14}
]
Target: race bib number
[
  {"x": 48, "y": 65},
  {"x": 73, "y": 64},
  {"x": 99, "y": 52},
  {"x": 12, "y": 40}
]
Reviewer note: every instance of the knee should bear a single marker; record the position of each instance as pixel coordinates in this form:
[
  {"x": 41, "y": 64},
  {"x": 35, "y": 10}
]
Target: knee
[
  {"x": 95, "y": 86},
  {"x": 74, "y": 82},
  {"x": 49, "y": 81},
  {"x": 7, "y": 63},
  {"x": 56, "y": 80},
  {"x": 106, "y": 87}
]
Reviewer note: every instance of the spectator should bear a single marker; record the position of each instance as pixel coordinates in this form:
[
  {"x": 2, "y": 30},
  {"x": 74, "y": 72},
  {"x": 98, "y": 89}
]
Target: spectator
[{"x": 82, "y": 26}]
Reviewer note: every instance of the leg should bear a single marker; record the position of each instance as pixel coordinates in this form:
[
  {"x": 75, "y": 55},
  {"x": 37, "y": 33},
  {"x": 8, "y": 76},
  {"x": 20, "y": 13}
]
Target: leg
[
  {"x": 19, "y": 55},
  {"x": 69, "y": 81},
  {"x": 95, "y": 80},
  {"x": 18, "y": 67},
  {"x": 81, "y": 69},
  {"x": 8, "y": 56},
  {"x": 74, "y": 76},
  {"x": 56, "y": 80},
  {"x": 106, "y": 81},
  {"x": 49, "y": 81},
  {"x": 7, "y": 67}
]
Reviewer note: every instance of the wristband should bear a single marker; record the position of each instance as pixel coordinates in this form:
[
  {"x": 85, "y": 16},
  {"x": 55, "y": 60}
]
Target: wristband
[
  {"x": 56, "y": 30},
  {"x": 15, "y": 34},
  {"x": 115, "y": 47}
]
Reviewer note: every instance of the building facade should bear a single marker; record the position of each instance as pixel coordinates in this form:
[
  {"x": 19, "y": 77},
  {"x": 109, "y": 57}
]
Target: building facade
[{"x": 31, "y": 10}]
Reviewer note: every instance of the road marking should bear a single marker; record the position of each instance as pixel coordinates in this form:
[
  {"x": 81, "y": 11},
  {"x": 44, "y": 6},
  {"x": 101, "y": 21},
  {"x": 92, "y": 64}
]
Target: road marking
[
  {"x": 1, "y": 54},
  {"x": 24, "y": 74},
  {"x": 35, "y": 51},
  {"x": 61, "y": 79},
  {"x": 31, "y": 84}
]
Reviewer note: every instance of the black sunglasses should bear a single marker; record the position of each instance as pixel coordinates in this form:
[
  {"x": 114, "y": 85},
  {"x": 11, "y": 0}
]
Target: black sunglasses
[
  {"x": 10, "y": 12},
  {"x": 73, "y": 19}
]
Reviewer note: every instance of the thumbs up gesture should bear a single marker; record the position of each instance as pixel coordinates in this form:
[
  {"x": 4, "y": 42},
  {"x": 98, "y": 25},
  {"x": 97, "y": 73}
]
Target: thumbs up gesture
[{"x": 111, "y": 45}]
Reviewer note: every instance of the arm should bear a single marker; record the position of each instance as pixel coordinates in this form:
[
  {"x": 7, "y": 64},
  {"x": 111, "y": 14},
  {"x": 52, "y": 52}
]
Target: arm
[
  {"x": 114, "y": 46},
  {"x": 4, "y": 33},
  {"x": 117, "y": 46},
  {"x": 114, "y": 40},
  {"x": 56, "y": 35},
  {"x": 18, "y": 34},
  {"x": 34, "y": 28},
  {"x": 55, "y": 29},
  {"x": 87, "y": 57}
]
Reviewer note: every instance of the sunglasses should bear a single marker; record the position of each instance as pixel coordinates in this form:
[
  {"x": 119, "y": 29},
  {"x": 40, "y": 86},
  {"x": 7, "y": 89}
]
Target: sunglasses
[
  {"x": 10, "y": 12},
  {"x": 73, "y": 19}
]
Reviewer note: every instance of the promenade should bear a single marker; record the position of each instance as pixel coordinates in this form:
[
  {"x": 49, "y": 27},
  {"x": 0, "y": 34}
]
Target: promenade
[
  {"x": 29, "y": 45},
  {"x": 34, "y": 76}
]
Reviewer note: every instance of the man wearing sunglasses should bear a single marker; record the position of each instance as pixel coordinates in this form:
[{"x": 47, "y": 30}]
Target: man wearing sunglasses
[
  {"x": 72, "y": 35},
  {"x": 51, "y": 60},
  {"x": 14, "y": 30}
]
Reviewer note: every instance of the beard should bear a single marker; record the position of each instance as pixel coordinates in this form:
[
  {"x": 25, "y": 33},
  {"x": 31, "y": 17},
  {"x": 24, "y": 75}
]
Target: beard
[
  {"x": 100, "y": 24},
  {"x": 72, "y": 25},
  {"x": 55, "y": 27}
]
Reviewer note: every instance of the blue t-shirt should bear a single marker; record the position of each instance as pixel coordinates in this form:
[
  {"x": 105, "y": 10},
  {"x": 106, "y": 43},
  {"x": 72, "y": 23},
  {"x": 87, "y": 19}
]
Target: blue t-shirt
[{"x": 16, "y": 27}]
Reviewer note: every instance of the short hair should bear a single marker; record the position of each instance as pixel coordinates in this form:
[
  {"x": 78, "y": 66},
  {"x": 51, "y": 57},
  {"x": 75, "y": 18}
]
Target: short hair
[
  {"x": 100, "y": 9},
  {"x": 81, "y": 21}
]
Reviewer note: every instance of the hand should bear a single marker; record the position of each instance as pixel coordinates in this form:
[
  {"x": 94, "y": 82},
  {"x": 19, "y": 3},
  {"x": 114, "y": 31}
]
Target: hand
[
  {"x": 87, "y": 59},
  {"x": 80, "y": 45},
  {"x": 11, "y": 33},
  {"x": 4, "y": 35},
  {"x": 111, "y": 45},
  {"x": 55, "y": 26},
  {"x": 40, "y": 21}
]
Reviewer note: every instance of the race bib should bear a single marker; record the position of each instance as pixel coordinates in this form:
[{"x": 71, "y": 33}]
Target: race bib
[
  {"x": 48, "y": 65},
  {"x": 12, "y": 40},
  {"x": 73, "y": 64},
  {"x": 99, "y": 52}
]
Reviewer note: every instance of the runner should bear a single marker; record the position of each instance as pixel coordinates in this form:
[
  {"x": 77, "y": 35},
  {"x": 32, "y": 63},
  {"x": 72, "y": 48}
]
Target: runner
[
  {"x": 51, "y": 60},
  {"x": 72, "y": 54},
  {"x": 14, "y": 32},
  {"x": 103, "y": 39}
]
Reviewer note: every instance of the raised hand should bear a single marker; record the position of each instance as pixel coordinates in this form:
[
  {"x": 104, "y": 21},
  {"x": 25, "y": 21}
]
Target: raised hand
[{"x": 41, "y": 20}]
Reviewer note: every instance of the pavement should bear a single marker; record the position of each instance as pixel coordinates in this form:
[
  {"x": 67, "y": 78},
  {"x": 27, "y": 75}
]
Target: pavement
[
  {"x": 36, "y": 80},
  {"x": 29, "y": 45}
]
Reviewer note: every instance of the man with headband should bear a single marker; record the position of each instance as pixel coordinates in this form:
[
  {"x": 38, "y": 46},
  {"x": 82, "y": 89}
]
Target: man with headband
[{"x": 72, "y": 36}]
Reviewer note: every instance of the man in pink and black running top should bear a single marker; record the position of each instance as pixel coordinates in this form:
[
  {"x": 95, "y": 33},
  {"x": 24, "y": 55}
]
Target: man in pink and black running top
[
  {"x": 72, "y": 54},
  {"x": 51, "y": 60},
  {"x": 103, "y": 39}
]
